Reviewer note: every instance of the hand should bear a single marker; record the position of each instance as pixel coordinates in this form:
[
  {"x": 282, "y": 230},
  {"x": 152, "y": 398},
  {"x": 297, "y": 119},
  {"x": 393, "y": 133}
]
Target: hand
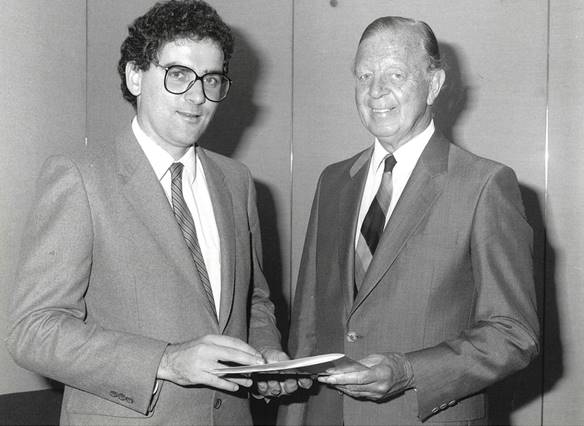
[
  {"x": 275, "y": 388},
  {"x": 381, "y": 377},
  {"x": 191, "y": 363}
]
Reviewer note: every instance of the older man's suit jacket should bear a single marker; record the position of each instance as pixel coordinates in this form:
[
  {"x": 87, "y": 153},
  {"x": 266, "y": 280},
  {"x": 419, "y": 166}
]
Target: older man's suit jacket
[
  {"x": 106, "y": 281},
  {"x": 450, "y": 285}
]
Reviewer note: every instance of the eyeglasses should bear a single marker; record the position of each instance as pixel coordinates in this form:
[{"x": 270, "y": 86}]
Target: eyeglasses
[{"x": 178, "y": 79}]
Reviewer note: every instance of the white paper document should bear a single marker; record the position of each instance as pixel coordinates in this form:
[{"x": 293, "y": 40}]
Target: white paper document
[{"x": 312, "y": 365}]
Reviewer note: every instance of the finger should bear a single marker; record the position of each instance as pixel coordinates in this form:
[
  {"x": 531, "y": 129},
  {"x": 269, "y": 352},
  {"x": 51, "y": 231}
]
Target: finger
[
  {"x": 262, "y": 388},
  {"x": 241, "y": 381},
  {"x": 289, "y": 386},
  {"x": 355, "y": 389},
  {"x": 305, "y": 383},
  {"x": 233, "y": 343},
  {"x": 273, "y": 355},
  {"x": 356, "y": 367},
  {"x": 229, "y": 354},
  {"x": 358, "y": 391},
  {"x": 360, "y": 378},
  {"x": 216, "y": 382},
  {"x": 273, "y": 388}
]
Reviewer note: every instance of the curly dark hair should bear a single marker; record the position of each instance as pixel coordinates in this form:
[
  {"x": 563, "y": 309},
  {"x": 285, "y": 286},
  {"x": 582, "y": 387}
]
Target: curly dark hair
[{"x": 166, "y": 22}]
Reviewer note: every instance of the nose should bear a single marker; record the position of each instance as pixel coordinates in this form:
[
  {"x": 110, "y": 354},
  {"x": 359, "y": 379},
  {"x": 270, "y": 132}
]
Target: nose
[
  {"x": 379, "y": 86},
  {"x": 195, "y": 93}
]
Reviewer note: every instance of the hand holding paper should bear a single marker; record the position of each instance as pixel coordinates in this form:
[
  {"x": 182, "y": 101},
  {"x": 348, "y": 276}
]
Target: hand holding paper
[
  {"x": 378, "y": 377},
  {"x": 276, "y": 386},
  {"x": 281, "y": 376}
]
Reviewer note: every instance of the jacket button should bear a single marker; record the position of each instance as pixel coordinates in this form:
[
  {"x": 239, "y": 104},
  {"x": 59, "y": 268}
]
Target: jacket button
[
  {"x": 113, "y": 394},
  {"x": 443, "y": 406},
  {"x": 218, "y": 403},
  {"x": 352, "y": 337}
]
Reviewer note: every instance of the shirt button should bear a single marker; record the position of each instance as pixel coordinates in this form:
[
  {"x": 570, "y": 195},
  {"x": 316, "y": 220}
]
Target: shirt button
[
  {"x": 352, "y": 337},
  {"x": 218, "y": 403}
]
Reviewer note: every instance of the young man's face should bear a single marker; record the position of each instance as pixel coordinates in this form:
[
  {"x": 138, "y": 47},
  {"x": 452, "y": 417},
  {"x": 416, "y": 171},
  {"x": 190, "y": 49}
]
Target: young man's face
[{"x": 175, "y": 122}]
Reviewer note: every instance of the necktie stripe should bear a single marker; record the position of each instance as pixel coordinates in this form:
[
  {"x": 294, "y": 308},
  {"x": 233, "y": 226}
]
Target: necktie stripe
[
  {"x": 383, "y": 198},
  {"x": 373, "y": 224},
  {"x": 369, "y": 229},
  {"x": 181, "y": 215},
  {"x": 187, "y": 226}
]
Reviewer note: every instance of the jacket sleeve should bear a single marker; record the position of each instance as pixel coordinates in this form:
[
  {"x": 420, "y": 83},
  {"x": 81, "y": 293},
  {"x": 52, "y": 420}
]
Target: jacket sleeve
[
  {"x": 302, "y": 340},
  {"x": 504, "y": 333},
  {"x": 263, "y": 332},
  {"x": 49, "y": 331}
]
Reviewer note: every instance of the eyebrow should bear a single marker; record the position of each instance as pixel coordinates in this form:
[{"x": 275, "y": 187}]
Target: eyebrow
[{"x": 205, "y": 71}]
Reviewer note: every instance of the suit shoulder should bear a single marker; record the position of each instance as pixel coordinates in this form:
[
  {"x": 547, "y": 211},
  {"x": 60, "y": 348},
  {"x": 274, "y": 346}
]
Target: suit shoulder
[
  {"x": 469, "y": 162},
  {"x": 76, "y": 159},
  {"x": 229, "y": 166},
  {"x": 342, "y": 167}
]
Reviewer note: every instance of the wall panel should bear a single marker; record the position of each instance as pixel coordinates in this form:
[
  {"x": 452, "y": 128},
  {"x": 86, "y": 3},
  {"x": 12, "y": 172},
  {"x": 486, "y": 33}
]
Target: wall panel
[
  {"x": 564, "y": 296},
  {"x": 43, "y": 112}
]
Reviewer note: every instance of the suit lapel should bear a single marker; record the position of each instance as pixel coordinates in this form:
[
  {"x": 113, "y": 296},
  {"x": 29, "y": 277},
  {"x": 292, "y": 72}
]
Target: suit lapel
[
  {"x": 423, "y": 188},
  {"x": 223, "y": 210},
  {"x": 348, "y": 208},
  {"x": 145, "y": 194},
  {"x": 143, "y": 191}
]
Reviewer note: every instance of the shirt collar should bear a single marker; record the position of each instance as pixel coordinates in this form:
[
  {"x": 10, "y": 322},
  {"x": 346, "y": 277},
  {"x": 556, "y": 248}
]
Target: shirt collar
[
  {"x": 162, "y": 160},
  {"x": 408, "y": 152}
]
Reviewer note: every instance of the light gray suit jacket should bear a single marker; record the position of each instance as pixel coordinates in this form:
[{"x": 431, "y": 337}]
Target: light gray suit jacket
[
  {"x": 106, "y": 281},
  {"x": 450, "y": 285}
]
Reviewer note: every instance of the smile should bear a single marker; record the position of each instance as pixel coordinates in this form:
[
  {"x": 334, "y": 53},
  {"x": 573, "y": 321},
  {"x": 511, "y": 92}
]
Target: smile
[
  {"x": 382, "y": 110},
  {"x": 190, "y": 116}
]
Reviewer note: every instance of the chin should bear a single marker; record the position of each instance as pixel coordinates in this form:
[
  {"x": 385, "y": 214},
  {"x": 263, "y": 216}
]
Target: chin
[{"x": 384, "y": 133}]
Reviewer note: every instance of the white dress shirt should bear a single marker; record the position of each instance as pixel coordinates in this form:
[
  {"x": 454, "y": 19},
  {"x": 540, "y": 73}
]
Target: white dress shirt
[
  {"x": 407, "y": 157},
  {"x": 197, "y": 198}
]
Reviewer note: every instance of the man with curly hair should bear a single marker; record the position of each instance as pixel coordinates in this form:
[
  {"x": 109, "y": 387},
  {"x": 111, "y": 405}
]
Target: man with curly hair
[{"x": 141, "y": 267}]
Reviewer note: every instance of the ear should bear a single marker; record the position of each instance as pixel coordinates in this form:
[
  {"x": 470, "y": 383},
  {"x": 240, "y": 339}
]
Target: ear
[
  {"x": 133, "y": 78},
  {"x": 436, "y": 82}
]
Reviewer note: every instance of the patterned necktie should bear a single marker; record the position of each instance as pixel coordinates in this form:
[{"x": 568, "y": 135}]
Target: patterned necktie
[
  {"x": 373, "y": 224},
  {"x": 187, "y": 226}
]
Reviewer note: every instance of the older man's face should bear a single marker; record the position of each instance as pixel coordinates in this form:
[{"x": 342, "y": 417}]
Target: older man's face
[{"x": 393, "y": 86}]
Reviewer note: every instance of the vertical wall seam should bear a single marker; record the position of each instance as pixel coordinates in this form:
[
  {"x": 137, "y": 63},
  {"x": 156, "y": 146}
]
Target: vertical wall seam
[
  {"x": 291, "y": 224},
  {"x": 85, "y": 115},
  {"x": 545, "y": 212}
]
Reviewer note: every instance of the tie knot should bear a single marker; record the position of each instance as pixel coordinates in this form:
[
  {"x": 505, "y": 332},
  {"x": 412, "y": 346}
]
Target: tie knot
[
  {"x": 390, "y": 162},
  {"x": 176, "y": 170}
]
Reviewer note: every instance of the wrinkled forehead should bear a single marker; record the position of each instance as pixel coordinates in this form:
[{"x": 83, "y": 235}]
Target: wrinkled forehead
[{"x": 403, "y": 44}]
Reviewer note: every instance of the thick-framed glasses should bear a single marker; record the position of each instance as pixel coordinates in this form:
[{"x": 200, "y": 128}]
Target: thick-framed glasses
[{"x": 178, "y": 79}]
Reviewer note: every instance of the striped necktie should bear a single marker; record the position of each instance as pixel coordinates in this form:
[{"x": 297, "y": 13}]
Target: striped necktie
[
  {"x": 187, "y": 226},
  {"x": 373, "y": 224}
]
